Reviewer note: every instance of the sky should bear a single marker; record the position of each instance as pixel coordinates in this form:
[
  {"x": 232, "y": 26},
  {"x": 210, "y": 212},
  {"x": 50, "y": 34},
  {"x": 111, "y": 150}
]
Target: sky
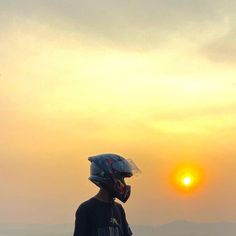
[{"x": 153, "y": 81}]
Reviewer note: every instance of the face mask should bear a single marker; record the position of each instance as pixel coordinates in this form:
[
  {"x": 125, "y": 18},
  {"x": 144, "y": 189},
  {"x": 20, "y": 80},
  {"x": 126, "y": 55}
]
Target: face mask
[{"x": 121, "y": 190}]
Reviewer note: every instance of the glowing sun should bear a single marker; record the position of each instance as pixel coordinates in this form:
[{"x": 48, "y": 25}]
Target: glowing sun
[
  {"x": 187, "y": 181},
  {"x": 187, "y": 178}
]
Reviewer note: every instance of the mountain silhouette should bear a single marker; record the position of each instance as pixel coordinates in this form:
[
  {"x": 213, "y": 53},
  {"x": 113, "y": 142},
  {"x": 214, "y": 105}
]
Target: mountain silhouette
[
  {"x": 187, "y": 228},
  {"x": 176, "y": 228}
]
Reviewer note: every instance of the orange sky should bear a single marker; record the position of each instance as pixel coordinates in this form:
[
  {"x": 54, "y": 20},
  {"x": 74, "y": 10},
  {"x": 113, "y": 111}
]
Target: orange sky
[{"x": 69, "y": 90}]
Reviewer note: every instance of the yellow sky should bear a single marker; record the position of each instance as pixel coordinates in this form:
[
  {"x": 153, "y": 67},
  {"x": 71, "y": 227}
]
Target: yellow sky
[{"x": 66, "y": 95}]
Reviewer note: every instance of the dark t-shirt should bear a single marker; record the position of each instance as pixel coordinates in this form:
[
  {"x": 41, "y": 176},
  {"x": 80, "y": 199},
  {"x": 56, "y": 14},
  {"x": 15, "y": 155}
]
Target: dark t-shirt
[{"x": 97, "y": 218}]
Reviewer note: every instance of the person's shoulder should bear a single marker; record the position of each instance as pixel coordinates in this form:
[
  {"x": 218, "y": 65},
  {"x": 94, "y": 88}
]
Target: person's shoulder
[{"x": 85, "y": 206}]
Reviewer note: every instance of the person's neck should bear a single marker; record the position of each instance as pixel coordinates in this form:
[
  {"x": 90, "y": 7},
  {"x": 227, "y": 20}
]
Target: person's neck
[{"x": 104, "y": 196}]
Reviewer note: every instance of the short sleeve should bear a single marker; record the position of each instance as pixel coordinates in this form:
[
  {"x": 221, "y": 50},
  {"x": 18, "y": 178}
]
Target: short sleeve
[{"x": 81, "y": 222}]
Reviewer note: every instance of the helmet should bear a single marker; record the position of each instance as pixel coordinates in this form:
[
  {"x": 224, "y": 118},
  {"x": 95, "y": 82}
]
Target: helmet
[{"x": 109, "y": 170}]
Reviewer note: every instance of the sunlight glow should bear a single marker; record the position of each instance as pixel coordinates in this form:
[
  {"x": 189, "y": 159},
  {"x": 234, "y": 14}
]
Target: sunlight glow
[{"x": 186, "y": 178}]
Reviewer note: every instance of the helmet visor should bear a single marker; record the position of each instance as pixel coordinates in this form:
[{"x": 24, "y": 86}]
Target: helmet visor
[{"x": 126, "y": 166}]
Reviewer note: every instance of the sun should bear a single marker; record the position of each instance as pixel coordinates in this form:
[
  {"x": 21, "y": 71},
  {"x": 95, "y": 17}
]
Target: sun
[
  {"x": 187, "y": 181},
  {"x": 187, "y": 178}
]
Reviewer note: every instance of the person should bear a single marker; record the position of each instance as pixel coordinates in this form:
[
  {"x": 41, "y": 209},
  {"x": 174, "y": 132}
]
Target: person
[{"x": 101, "y": 215}]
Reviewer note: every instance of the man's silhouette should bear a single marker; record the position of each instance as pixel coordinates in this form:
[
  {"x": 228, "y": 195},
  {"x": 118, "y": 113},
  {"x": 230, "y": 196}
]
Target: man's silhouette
[{"x": 101, "y": 215}]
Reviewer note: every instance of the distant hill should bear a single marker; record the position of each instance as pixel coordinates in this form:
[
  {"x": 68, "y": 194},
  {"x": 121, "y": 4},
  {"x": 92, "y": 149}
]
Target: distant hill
[
  {"x": 36, "y": 230},
  {"x": 186, "y": 228},
  {"x": 177, "y": 228}
]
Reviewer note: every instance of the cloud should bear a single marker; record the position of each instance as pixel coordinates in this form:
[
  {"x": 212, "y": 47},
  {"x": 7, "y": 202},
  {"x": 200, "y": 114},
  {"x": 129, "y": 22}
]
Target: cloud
[
  {"x": 222, "y": 49},
  {"x": 126, "y": 23},
  {"x": 207, "y": 112}
]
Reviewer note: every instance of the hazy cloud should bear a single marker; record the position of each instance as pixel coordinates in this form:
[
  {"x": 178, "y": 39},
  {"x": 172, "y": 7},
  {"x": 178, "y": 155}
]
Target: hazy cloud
[
  {"x": 127, "y": 23},
  {"x": 207, "y": 112},
  {"x": 222, "y": 49}
]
